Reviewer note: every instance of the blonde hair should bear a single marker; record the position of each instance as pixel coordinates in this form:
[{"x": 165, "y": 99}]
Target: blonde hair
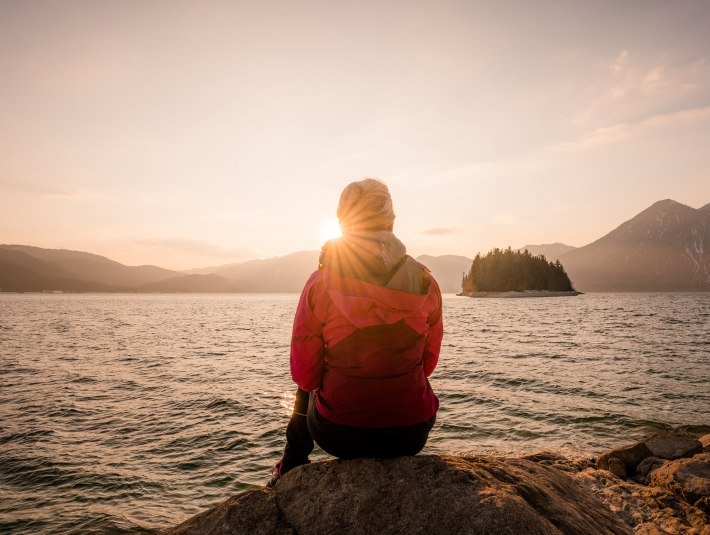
[{"x": 365, "y": 205}]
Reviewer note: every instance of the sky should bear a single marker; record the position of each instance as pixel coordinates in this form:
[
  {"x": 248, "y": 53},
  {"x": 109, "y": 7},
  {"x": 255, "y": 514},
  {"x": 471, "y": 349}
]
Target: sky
[{"x": 189, "y": 134}]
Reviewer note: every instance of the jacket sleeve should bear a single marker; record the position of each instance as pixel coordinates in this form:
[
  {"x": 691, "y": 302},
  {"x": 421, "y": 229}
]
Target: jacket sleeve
[
  {"x": 307, "y": 346},
  {"x": 435, "y": 333}
]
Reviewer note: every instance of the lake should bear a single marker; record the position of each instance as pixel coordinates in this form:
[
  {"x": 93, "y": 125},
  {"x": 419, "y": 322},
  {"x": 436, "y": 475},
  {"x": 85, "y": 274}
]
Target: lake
[{"x": 127, "y": 412}]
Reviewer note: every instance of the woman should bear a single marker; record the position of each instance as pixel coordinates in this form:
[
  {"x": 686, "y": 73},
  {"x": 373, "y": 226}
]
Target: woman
[{"x": 366, "y": 336}]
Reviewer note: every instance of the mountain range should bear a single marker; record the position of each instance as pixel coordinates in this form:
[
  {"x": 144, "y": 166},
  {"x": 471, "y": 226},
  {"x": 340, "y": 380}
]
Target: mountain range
[{"x": 663, "y": 248}]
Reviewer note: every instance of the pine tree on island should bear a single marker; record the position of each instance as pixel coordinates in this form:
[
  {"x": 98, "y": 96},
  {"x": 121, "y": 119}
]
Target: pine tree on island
[{"x": 504, "y": 270}]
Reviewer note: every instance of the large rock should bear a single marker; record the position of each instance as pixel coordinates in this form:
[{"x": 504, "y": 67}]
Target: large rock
[
  {"x": 671, "y": 446},
  {"x": 687, "y": 478},
  {"x": 649, "y": 510},
  {"x": 422, "y": 494},
  {"x": 645, "y": 467},
  {"x": 624, "y": 460}
]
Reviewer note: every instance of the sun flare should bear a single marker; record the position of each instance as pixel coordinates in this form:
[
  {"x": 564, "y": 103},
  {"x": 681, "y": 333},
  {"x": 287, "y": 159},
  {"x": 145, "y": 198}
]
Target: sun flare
[{"x": 330, "y": 229}]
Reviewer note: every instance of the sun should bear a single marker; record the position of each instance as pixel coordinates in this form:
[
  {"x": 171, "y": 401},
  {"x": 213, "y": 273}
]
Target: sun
[{"x": 330, "y": 229}]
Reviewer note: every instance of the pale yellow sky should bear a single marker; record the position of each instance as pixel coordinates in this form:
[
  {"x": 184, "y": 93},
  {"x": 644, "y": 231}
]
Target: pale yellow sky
[{"x": 195, "y": 133}]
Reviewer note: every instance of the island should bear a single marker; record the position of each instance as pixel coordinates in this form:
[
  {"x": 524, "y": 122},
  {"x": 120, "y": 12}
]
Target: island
[{"x": 508, "y": 273}]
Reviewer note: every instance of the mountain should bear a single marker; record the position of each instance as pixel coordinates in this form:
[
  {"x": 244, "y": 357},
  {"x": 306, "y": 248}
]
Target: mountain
[
  {"x": 33, "y": 269},
  {"x": 281, "y": 274},
  {"x": 664, "y": 248},
  {"x": 448, "y": 270},
  {"x": 285, "y": 274},
  {"x": 20, "y": 272},
  {"x": 551, "y": 251},
  {"x": 94, "y": 268}
]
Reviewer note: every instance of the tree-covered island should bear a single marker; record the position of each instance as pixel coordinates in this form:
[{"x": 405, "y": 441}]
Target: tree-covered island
[{"x": 508, "y": 273}]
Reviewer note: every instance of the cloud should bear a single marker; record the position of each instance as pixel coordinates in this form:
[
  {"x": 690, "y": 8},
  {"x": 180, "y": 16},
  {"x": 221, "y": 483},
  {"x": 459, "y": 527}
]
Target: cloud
[
  {"x": 618, "y": 65},
  {"x": 619, "y": 132},
  {"x": 198, "y": 248},
  {"x": 48, "y": 190},
  {"x": 632, "y": 86},
  {"x": 440, "y": 231},
  {"x": 492, "y": 169}
]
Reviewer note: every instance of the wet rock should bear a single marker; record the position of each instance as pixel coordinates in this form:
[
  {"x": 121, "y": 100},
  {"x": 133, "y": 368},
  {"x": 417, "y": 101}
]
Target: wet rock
[
  {"x": 631, "y": 456},
  {"x": 671, "y": 446},
  {"x": 421, "y": 494},
  {"x": 645, "y": 467},
  {"x": 649, "y": 510},
  {"x": 688, "y": 479}
]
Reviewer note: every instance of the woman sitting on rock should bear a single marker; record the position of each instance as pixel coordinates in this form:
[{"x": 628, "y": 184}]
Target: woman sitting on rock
[{"x": 366, "y": 336}]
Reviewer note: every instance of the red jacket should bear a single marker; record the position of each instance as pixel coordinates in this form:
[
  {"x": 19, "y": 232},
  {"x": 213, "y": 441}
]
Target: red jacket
[{"x": 366, "y": 348}]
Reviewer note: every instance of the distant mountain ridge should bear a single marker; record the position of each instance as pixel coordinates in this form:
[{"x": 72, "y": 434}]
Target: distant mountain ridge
[
  {"x": 666, "y": 247},
  {"x": 551, "y": 251},
  {"x": 25, "y": 268},
  {"x": 448, "y": 270},
  {"x": 286, "y": 274},
  {"x": 280, "y": 274},
  {"x": 663, "y": 248}
]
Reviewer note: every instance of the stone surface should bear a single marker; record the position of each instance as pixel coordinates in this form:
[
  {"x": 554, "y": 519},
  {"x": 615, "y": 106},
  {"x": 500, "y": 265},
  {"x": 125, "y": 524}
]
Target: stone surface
[
  {"x": 645, "y": 467},
  {"x": 631, "y": 456},
  {"x": 649, "y": 510},
  {"x": 617, "y": 467},
  {"x": 421, "y": 494},
  {"x": 252, "y": 512},
  {"x": 705, "y": 441},
  {"x": 670, "y": 446},
  {"x": 687, "y": 478}
]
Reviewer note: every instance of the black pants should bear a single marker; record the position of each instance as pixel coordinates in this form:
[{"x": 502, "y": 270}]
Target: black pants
[{"x": 346, "y": 442}]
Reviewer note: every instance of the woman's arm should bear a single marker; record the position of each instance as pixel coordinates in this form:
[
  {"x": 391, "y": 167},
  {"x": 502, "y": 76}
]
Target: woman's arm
[{"x": 307, "y": 346}]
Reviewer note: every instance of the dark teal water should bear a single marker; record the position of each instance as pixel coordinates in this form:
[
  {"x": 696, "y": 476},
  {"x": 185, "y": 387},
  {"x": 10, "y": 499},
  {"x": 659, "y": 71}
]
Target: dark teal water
[{"x": 122, "y": 413}]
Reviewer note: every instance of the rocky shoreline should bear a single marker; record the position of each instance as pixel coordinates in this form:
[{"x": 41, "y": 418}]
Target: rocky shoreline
[
  {"x": 526, "y": 293},
  {"x": 658, "y": 486}
]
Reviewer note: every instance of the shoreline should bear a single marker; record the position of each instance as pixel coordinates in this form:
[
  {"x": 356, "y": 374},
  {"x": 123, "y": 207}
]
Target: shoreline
[{"x": 518, "y": 295}]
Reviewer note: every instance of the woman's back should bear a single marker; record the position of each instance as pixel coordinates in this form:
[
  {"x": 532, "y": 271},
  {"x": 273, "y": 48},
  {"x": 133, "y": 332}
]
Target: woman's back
[{"x": 380, "y": 318}]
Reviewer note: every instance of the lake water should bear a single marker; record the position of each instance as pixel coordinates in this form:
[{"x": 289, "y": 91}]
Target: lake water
[{"x": 122, "y": 413}]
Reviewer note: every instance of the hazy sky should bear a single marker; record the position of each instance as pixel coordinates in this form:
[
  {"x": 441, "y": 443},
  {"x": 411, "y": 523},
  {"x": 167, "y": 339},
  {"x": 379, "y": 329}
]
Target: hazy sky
[{"x": 197, "y": 133}]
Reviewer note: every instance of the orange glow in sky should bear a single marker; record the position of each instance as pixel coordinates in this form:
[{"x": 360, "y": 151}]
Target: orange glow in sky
[{"x": 189, "y": 133}]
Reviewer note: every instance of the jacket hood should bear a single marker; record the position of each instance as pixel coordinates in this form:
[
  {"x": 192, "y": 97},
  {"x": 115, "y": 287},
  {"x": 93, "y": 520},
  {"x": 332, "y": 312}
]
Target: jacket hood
[{"x": 371, "y": 280}]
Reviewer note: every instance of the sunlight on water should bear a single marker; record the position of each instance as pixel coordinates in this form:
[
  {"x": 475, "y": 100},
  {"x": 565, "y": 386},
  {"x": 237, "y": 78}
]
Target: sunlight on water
[{"x": 287, "y": 400}]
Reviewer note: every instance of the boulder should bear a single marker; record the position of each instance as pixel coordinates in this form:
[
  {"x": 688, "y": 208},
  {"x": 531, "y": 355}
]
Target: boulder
[
  {"x": 421, "y": 494},
  {"x": 687, "y": 478},
  {"x": 671, "y": 446},
  {"x": 645, "y": 467},
  {"x": 254, "y": 511},
  {"x": 649, "y": 510},
  {"x": 629, "y": 456}
]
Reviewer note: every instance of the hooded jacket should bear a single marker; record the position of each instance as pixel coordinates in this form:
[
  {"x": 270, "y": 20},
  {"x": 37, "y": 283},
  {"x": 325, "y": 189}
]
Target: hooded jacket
[{"x": 367, "y": 333}]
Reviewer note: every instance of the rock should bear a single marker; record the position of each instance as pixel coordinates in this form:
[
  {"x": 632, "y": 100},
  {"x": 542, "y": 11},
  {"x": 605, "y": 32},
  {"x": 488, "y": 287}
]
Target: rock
[
  {"x": 407, "y": 495},
  {"x": 705, "y": 441},
  {"x": 671, "y": 446},
  {"x": 645, "y": 467},
  {"x": 561, "y": 462},
  {"x": 687, "y": 478},
  {"x": 254, "y": 511},
  {"x": 617, "y": 467},
  {"x": 649, "y": 510},
  {"x": 631, "y": 456}
]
